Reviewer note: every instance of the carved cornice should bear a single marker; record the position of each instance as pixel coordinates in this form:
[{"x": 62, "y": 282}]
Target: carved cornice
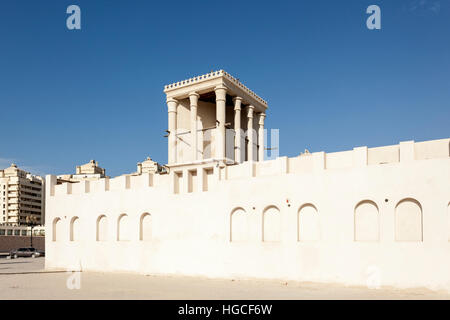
[{"x": 214, "y": 75}]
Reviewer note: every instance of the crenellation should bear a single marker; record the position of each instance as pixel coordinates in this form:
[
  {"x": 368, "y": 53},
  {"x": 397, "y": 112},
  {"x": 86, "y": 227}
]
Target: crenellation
[
  {"x": 435, "y": 149},
  {"x": 407, "y": 151},
  {"x": 149, "y": 178},
  {"x": 383, "y": 155},
  {"x": 119, "y": 183},
  {"x": 182, "y": 180},
  {"x": 277, "y": 166},
  {"x": 138, "y": 181},
  {"x": 339, "y": 160},
  {"x": 319, "y": 161},
  {"x": 360, "y": 155},
  {"x": 50, "y": 183},
  {"x": 63, "y": 189},
  {"x": 100, "y": 185},
  {"x": 81, "y": 187},
  {"x": 301, "y": 164}
]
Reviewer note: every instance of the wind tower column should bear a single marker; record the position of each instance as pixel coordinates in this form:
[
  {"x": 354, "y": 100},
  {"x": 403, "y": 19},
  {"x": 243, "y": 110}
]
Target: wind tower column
[
  {"x": 262, "y": 115},
  {"x": 221, "y": 93},
  {"x": 250, "y": 135},
  {"x": 237, "y": 130},
  {"x": 193, "y": 97},
  {"x": 172, "y": 113}
]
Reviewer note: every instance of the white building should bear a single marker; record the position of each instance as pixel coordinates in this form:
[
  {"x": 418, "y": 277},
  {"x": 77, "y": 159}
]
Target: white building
[
  {"x": 21, "y": 197},
  {"x": 362, "y": 216},
  {"x": 88, "y": 171}
]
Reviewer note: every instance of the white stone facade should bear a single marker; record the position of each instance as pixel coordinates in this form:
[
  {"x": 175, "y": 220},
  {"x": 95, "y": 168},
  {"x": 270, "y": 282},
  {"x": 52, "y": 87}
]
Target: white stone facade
[{"x": 363, "y": 216}]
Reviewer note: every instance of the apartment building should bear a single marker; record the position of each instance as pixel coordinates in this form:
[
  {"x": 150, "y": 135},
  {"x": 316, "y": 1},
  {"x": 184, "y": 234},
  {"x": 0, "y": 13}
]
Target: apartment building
[{"x": 21, "y": 197}]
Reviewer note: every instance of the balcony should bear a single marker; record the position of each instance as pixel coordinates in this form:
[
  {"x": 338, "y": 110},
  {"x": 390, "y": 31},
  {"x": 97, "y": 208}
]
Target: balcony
[
  {"x": 23, "y": 195},
  {"x": 13, "y": 194}
]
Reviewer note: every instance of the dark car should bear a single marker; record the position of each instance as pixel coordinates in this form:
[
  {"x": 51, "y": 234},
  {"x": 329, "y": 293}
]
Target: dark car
[{"x": 25, "y": 252}]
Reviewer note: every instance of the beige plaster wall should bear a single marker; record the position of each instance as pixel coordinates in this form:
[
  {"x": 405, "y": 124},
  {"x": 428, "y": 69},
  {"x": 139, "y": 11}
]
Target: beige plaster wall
[{"x": 292, "y": 219}]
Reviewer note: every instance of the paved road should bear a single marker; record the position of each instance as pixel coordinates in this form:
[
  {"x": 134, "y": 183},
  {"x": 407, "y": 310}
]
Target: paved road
[
  {"x": 25, "y": 278},
  {"x": 21, "y": 265}
]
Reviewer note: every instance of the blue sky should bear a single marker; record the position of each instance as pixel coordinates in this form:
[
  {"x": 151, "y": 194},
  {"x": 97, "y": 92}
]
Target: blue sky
[{"x": 97, "y": 93}]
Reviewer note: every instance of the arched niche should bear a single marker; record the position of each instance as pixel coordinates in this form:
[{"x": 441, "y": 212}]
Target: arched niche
[
  {"x": 308, "y": 223},
  {"x": 56, "y": 229},
  {"x": 367, "y": 221},
  {"x": 239, "y": 225},
  {"x": 408, "y": 220},
  {"x": 123, "y": 228},
  {"x": 145, "y": 227},
  {"x": 102, "y": 228},
  {"x": 271, "y": 224},
  {"x": 75, "y": 229}
]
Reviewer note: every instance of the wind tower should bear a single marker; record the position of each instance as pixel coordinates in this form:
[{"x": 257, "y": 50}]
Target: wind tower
[{"x": 214, "y": 118}]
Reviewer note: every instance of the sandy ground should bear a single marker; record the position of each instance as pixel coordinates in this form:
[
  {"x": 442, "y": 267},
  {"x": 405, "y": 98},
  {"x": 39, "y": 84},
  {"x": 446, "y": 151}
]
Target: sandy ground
[{"x": 25, "y": 278}]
